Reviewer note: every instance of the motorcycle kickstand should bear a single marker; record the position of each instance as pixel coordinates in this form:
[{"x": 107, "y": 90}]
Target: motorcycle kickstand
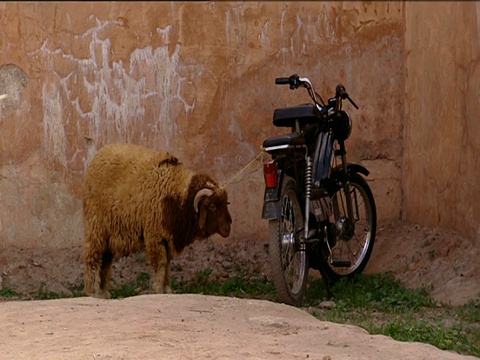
[{"x": 327, "y": 281}]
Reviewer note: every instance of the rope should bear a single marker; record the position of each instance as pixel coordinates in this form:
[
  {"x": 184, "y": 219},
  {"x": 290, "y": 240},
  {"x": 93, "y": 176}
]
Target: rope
[{"x": 243, "y": 169}]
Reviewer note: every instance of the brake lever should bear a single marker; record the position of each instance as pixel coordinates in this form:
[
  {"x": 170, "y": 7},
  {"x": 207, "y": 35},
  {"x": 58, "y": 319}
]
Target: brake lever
[
  {"x": 341, "y": 93},
  {"x": 352, "y": 102}
]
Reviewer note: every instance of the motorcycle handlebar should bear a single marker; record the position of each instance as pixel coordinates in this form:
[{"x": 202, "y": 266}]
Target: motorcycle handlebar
[
  {"x": 295, "y": 81},
  {"x": 282, "y": 81}
]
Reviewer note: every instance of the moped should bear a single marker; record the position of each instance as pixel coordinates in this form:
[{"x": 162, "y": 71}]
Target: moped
[{"x": 320, "y": 209}]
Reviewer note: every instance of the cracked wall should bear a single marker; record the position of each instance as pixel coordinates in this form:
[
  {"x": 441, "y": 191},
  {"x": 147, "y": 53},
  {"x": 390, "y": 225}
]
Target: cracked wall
[
  {"x": 196, "y": 79},
  {"x": 442, "y": 148}
]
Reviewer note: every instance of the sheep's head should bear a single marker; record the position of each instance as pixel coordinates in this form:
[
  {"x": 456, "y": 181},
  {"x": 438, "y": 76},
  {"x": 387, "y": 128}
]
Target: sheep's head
[{"x": 212, "y": 207}]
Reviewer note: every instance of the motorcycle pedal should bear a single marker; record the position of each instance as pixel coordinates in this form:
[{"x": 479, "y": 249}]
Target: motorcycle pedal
[{"x": 341, "y": 263}]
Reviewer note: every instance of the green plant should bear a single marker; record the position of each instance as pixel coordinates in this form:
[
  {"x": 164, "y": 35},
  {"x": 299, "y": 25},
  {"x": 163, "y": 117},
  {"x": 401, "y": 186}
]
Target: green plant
[
  {"x": 7, "y": 292},
  {"x": 141, "y": 258},
  {"x": 238, "y": 285},
  {"x": 381, "y": 292},
  {"x": 143, "y": 281},
  {"x": 77, "y": 290},
  {"x": 381, "y": 305},
  {"x": 410, "y": 329},
  {"x": 44, "y": 294},
  {"x": 199, "y": 284},
  {"x": 124, "y": 291}
]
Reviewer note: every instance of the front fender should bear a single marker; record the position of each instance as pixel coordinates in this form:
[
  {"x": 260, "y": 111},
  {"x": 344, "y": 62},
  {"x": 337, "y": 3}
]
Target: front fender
[
  {"x": 337, "y": 177},
  {"x": 352, "y": 169}
]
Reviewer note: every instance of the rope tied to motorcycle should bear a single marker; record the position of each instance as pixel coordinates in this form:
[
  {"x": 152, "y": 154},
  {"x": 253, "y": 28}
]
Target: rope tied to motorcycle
[{"x": 242, "y": 170}]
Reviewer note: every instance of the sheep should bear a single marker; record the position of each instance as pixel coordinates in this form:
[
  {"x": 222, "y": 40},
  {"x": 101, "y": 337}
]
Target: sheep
[{"x": 136, "y": 199}]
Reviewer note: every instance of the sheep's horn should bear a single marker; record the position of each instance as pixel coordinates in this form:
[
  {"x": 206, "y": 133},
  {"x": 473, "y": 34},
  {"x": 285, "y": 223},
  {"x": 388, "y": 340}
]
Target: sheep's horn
[{"x": 199, "y": 196}]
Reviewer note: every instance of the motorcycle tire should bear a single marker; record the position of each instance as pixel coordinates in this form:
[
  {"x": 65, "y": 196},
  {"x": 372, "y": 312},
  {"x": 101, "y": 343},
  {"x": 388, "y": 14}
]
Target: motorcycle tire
[
  {"x": 288, "y": 264},
  {"x": 358, "y": 247}
]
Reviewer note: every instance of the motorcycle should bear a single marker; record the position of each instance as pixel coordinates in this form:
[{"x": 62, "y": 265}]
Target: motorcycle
[{"x": 321, "y": 211}]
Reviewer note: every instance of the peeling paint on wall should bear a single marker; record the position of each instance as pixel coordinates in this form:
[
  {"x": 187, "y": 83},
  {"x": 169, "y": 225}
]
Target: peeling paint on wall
[
  {"x": 54, "y": 132},
  {"x": 13, "y": 81},
  {"x": 116, "y": 95},
  {"x": 263, "y": 37}
]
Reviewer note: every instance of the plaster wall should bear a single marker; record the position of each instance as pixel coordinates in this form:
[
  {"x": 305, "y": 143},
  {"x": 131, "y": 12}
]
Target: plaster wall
[
  {"x": 442, "y": 116},
  {"x": 195, "y": 79}
]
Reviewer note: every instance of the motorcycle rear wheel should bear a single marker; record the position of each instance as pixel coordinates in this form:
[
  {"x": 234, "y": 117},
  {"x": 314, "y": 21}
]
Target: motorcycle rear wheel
[
  {"x": 288, "y": 264},
  {"x": 358, "y": 245}
]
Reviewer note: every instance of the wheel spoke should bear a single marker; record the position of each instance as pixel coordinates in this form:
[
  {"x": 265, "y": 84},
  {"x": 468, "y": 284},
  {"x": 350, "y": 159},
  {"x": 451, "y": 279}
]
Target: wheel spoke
[
  {"x": 355, "y": 245},
  {"x": 289, "y": 265}
]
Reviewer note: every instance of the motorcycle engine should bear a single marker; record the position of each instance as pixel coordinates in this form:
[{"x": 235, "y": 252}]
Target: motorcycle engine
[{"x": 321, "y": 208}]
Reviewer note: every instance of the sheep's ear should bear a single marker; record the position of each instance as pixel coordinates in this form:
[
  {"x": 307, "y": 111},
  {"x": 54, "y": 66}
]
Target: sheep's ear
[
  {"x": 169, "y": 160},
  {"x": 202, "y": 217}
]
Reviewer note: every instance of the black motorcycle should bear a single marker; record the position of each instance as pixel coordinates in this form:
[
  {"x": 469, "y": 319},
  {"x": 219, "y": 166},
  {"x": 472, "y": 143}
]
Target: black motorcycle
[{"x": 320, "y": 209}]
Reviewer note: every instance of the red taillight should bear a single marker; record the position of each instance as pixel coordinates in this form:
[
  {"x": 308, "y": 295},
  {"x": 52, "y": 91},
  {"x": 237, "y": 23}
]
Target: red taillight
[{"x": 270, "y": 174}]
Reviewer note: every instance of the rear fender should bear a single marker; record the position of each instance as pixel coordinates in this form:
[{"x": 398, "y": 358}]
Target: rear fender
[{"x": 272, "y": 207}]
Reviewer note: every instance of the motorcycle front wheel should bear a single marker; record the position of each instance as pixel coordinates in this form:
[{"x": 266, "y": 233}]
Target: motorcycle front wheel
[
  {"x": 289, "y": 265},
  {"x": 354, "y": 238}
]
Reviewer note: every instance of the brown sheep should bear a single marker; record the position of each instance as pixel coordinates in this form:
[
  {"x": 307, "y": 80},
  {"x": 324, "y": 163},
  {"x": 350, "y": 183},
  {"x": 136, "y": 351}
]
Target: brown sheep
[{"x": 136, "y": 199}]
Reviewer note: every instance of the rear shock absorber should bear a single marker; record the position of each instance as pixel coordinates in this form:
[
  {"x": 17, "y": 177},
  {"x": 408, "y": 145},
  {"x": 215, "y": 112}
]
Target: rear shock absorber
[{"x": 308, "y": 195}]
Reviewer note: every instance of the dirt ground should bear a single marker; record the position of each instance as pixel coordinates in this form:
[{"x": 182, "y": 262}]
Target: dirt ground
[{"x": 196, "y": 326}]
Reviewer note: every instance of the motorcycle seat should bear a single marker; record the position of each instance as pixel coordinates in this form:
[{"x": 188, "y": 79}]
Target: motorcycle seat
[
  {"x": 294, "y": 139},
  {"x": 305, "y": 114}
]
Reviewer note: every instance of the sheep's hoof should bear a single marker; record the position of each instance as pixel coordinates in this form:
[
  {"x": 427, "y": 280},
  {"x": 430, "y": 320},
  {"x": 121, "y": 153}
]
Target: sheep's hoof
[
  {"x": 162, "y": 289},
  {"x": 157, "y": 289},
  {"x": 102, "y": 295}
]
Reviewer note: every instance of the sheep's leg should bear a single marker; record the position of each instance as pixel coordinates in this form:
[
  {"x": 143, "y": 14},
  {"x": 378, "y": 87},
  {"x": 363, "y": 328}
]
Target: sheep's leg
[
  {"x": 93, "y": 263},
  {"x": 105, "y": 273},
  {"x": 166, "y": 286},
  {"x": 96, "y": 272},
  {"x": 158, "y": 257}
]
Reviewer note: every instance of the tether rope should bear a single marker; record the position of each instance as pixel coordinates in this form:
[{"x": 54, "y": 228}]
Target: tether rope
[{"x": 260, "y": 154}]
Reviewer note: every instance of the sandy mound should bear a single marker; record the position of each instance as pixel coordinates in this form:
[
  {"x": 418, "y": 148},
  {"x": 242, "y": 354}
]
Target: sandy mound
[{"x": 187, "y": 327}]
